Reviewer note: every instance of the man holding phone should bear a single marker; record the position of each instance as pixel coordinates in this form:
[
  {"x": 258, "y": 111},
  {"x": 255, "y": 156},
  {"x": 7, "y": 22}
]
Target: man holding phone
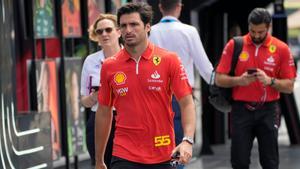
[
  {"x": 265, "y": 68},
  {"x": 251, "y": 71}
]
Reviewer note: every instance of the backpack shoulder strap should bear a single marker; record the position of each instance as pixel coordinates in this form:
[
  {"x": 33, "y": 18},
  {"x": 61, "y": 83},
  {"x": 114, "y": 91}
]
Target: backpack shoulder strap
[{"x": 238, "y": 47}]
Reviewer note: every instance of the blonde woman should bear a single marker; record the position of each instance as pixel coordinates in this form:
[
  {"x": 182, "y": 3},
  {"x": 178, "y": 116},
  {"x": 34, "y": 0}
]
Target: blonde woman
[{"x": 105, "y": 32}]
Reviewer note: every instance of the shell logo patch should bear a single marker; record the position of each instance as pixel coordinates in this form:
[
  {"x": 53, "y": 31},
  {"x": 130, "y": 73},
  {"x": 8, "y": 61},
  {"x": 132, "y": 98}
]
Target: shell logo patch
[
  {"x": 244, "y": 56},
  {"x": 120, "y": 78},
  {"x": 272, "y": 48},
  {"x": 156, "y": 60}
]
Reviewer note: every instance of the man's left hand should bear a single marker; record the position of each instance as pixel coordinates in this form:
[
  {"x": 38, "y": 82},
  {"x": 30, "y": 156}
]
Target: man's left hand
[
  {"x": 263, "y": 77},
  {"x": 186, "y": 152}
]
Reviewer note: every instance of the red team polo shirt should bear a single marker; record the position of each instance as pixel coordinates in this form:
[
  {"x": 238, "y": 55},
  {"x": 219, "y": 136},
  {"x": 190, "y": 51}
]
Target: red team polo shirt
[
  {"x": 273, "y": 57},
  {"x": 141, "y": 93}
]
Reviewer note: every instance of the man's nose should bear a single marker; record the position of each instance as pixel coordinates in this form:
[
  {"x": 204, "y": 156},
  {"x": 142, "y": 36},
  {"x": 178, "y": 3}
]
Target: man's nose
[
  {"x": 128, "y": 29},
  {"x": 257, "y": 35}
]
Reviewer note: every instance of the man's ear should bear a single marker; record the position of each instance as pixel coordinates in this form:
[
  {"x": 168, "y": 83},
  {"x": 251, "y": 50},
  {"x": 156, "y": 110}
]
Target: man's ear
[
  {"x": 148, "y": 27},
  {"x": 270, "y": 29},
  {"x": 119, "y": 32}
]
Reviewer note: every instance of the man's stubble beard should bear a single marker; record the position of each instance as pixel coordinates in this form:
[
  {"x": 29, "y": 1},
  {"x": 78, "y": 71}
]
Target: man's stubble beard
[{"x": 258, "y": 41}]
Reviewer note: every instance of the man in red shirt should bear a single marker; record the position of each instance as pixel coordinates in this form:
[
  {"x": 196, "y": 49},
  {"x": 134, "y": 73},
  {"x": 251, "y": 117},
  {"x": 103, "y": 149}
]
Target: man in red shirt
[
  {"x": 139, "y": 82},
  {"x": 265, "y": 68}
]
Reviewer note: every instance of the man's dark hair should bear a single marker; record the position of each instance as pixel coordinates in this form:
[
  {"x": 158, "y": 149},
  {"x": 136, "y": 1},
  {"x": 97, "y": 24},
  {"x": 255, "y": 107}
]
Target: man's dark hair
[
  {"x": 258, "y": 16},
  {"x": 142, "y": 8},
  {"x": 168, "y": 5}
]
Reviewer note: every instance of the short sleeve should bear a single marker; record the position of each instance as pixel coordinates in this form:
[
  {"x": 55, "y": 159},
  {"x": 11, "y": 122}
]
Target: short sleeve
[
  {"x": 179, "y": 80},
  {"x": 84, "y": 81},
  {"x": 287, "y": 64},
  {"x": 105, "y": 96},
  {"x": 199, "y": 56},
  {"x": 225, "y": 60}
]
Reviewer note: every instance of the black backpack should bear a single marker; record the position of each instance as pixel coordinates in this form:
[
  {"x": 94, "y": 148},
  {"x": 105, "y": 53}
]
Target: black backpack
[{"x": 220, "y": 97}]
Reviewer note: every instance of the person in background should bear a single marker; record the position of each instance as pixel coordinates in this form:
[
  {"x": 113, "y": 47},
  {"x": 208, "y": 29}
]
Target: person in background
[
  {"x": 183, "y": 39},
  {"x": 139, "y": 82},
  {"x": 235, "y": 30},
  {"x": 105, "y": 32},
  {"x": 264, "y": 69}
]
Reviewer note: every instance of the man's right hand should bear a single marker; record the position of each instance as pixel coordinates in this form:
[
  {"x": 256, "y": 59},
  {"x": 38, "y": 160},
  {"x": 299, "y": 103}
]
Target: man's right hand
[
  {"x": 103, "y": 122},
  {"x": 245, "y": 79}
]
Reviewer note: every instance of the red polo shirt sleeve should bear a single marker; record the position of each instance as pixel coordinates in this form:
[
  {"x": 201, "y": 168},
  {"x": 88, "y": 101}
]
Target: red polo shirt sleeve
[
  {"x": 225, "y": 60},
  {"x": 105, "y": 96},
  {"x": 179, "y": 80},
  {"x": 287, "y": 67}
]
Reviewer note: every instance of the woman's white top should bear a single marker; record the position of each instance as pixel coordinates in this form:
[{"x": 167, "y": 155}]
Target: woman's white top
[{"x": 90, "y": 74}]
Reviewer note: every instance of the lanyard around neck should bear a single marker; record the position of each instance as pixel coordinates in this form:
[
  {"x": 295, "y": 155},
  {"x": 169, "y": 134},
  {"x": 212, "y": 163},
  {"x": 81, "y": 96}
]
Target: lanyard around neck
[{"x": 168, "y": 20}]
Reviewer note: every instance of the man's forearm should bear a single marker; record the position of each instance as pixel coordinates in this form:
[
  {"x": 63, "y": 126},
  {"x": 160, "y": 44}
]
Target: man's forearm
[
  {"x": 226, "y": 81},
  {"x": 283, "y": 85},
  {"x": 102, "y": 129},
  {"x": 188, "y": 115}
]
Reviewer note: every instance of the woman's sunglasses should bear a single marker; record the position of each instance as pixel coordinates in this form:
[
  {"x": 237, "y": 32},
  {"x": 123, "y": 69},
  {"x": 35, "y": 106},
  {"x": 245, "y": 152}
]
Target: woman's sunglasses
[{"x": 100, "y": 31}]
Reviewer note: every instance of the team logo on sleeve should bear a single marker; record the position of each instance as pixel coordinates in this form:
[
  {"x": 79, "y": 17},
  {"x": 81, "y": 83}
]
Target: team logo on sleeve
[
  {"x": 156, "y": 60},
  {"x": 183, "y": 74},
  {"x": 272, "y": 48},
  {"x": 291, "y": 60},
  {"x": 244, "y": 56},
  {"x": 120, "y": 78}
]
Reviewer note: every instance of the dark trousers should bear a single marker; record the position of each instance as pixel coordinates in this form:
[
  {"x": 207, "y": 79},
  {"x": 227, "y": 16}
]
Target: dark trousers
[
  {"x": 263, "y": 124},
  {"x": 90, "y": 140},
  {"x": 177, "y": 121},
  {"x": 120, "y": 163},
  {"x": 177, "y": 125}
]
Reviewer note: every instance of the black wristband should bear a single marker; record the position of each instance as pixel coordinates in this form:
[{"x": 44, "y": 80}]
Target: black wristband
[{"x": 272, "y": 81}]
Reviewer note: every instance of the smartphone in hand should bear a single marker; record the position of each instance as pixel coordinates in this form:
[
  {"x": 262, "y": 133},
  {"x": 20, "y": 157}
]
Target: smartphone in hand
[
  {"x": 175, "y": 159},
  {"x": 96, "y": 88},
  {"x": 251, "y": 71}
]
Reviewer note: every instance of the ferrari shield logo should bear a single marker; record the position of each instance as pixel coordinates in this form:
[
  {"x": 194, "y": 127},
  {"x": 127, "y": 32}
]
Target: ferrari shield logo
[
  {"x": 156, "y": 60},
  {"x": 272, "y": 48}
]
